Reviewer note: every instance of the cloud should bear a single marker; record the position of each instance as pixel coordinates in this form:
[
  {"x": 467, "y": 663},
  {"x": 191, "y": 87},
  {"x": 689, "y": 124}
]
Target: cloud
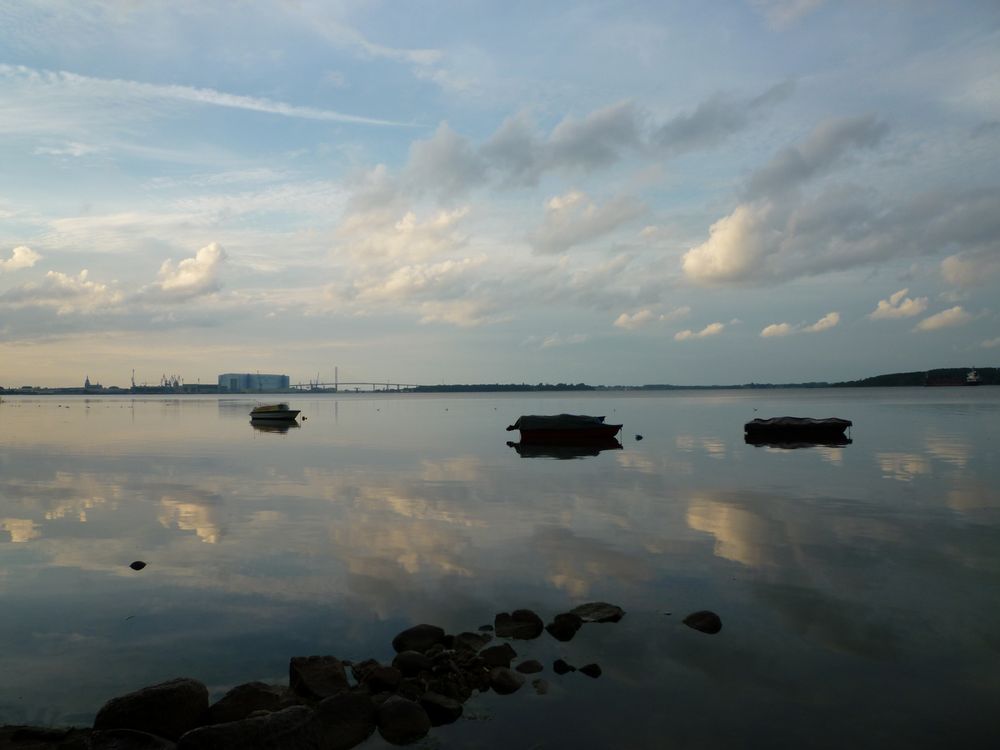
[
  {"x": 715, "y": 119},
  {"x": 20, "y": 257},
  {"x": 777, "y": 329},
  {"x": 828, "y": 321},
  {"x": 646, "y": 316},
  {"x": 781, "y": 14},
  {"x": 378, "y": 234},
  {"x": 898, "y": 306},
  {"x": 555, "y": 340},
  {"x": 446, "y": 162},
  {"x": 712, "y": 329},
  {"x": 824, "y": 146},
  {"x": 954, "y": 316},
  {"x": 572, "y": 219},
  {"x": 971, "y": 268},
  {"x": 598, "y": 139},
  {"x": 191, "y": 277},
  {"x": 66, "y": 84},
  {"x": 66, "y": 294},
  {"x": 72, "y": 148},
  {"x": 991, "y": 343},
  {"x": 736, "y": 246}
]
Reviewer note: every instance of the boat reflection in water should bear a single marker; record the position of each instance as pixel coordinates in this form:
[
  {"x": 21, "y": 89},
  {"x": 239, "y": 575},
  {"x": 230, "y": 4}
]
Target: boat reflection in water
[
  {"x": 274, "y": 425},
  {"x": 580, "y": 449},
  {"x": 830, "y": 441}
]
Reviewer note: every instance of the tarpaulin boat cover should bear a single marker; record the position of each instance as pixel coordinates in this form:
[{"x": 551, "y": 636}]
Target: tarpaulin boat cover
[
  {"x": 802, "y": 423},
  {"x": 556, "y": 422}
]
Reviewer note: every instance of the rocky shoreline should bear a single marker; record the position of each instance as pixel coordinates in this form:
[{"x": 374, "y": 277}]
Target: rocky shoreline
[{"x": 330, "y": 703}]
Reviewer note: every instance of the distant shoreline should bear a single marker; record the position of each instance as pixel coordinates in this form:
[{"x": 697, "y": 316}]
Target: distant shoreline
[{"x": 947, "y": 377}]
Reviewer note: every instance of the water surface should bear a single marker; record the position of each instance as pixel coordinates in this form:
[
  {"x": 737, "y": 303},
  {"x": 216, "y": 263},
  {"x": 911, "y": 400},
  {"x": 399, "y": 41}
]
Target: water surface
[{"x": 857, "y": 585}]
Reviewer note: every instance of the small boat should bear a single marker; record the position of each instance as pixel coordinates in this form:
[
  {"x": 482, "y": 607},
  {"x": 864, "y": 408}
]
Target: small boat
[
  {"x": 563, "y": 429},
  {"x": 972, "y": 378},
  {"x": 273, "y": 412},
  {"x": 795, "y": 430},
  {"x": 281, "y": 426}
]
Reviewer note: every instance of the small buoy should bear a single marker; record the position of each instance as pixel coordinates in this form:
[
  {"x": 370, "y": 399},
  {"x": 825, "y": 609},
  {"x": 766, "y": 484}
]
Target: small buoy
[
  {"x": 638, "y": 437},
  {"x": 304, "y": 418},
  {"x": 137, "y": 565}
]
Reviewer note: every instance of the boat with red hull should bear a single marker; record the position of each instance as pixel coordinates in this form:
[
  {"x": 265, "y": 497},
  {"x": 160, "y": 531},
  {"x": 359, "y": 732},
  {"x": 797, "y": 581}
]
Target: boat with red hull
[{"x": 563, "y": 429}]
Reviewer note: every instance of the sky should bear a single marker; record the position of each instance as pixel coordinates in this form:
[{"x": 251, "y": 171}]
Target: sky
[{"x": 466, "y": 192}]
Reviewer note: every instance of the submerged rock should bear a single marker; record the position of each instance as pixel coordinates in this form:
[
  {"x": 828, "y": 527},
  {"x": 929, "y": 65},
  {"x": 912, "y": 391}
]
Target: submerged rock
[
  {"x": 561, "y": 667},
  {"x": 705, "y": 621},
  {"x": 541, "y": 686},
  {"x": 598, "y": 612},
  {"x": 168, "y": 709},
  {"x": 505, "y": 681},
  {"x": 530, "y": 666},
  {"x": 591, "y": 670}
]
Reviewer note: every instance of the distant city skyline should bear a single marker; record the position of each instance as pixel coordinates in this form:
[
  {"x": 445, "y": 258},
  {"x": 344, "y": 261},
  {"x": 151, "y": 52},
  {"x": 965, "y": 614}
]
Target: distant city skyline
[{"x": 746, "y": 191}]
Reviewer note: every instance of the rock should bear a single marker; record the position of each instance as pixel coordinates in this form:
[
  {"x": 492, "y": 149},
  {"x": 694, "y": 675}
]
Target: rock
[
  {"x": 561, "y": 667},
  {"x": 591, "y": 670},
  {"x": 529, "y": 667},
  {"x": 317, "y": 677},
  {"x": 383, "y": 679},
  {"x": 521, "y": 623},
  {"x": 402, "y": 721},
  {"x": 412, "y": 688},
  {"x": 411, "y": 663},
  {"x": 705, "y": 621},
  {"x": 541, "y": 686},
  {"x": 289, "y": 728},
  {"x": 168, "y": 709},
  {"x": 137, "y": 565},
  {"x": 418, "y": 638},
  {"x": 440, "y": 708},
  {"x": 452, "y": 686},
  {"x": 564, "y": 626},
  {"x": 598, "y": 612},
  {"x": 128, "y": 739},
  {"x": 43, "y": 738},
  {"x": 243, "y": 700},
  {"x": 344, "y": 720},
  {"x": 360, "y": 670},
  {"x": 505, "y": 681},
  {"x": 471, "y": 641},
  {"x": 498, "y": 656},
  {"x": 485, "y": 628}
]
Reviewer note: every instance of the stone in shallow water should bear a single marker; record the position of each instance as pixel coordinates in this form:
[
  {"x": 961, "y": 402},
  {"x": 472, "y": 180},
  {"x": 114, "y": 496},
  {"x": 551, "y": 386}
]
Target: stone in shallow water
[
  {"x": 541, "y": 686},
  {"x": 243, "y": 700},
  {"x": 529, "y": 666},
  {"x": 344, "y": 720},
  {"x": 521, "y": 623},
  {"x": 124, "y": 739},
  {"x": 498, "y": 656},
  {"x": 505, "y": 681},
  {"x": 418, "y": 638},
  {"x": 471, "y": 641},
  {"x": 317, "y": 677},
  {"x": 137, "y": 565},
  {"x": 411, "y": 663},
  {"x": 168, "y": 709},
  {"x": 564, "y": 626},
  {"x": 289, "y": 728},
  {"x": 591, "y": 670},
  {"x": 561, "y": 667},
  {"x": 705, "y": 621},
  {"x": 402, "y": 721},
  {"x": 598, "y": 612},
  {"x": 440, "y": 708}
]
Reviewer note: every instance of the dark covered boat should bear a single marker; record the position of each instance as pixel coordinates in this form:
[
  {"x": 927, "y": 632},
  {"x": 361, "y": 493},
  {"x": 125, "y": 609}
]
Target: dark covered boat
[
  {"x": 563, "y": 429},
  {"x": 797, "y": 430}
]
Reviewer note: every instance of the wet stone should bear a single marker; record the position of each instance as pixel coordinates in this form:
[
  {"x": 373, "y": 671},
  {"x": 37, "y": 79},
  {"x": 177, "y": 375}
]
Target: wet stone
[
  {"x": 561, "y": 667},
  {"x": 317, "y": 677},
  {"x": 126, "y": 739},
  {"x": 591, "y": 670},
  {"x": 521, "y": 623},
  {"x": 541, "y": 686},
  {"x": 564, "y": 626},
  {"x": 418, "y": 638},
  {"x": 505, "y": 681},
  {"x": 530, "y": 666},
  {"x": 383, "y": 679},
  {"x": 344, "y": 720},
  {"x": 168, "y": 709},
  {"x": 440, "y": 708},
  {"x": 704, "y": 621},
  {"x": 471, "y": 641},
  {"x": 411, "y": 663},
  {"x": 243, "y": 700},
  {"x": 289, "y": 728},
  {"x": 598, "y": 612},
  {"x": 498, "y": 656},
  {"x": 402, "y": 721}
]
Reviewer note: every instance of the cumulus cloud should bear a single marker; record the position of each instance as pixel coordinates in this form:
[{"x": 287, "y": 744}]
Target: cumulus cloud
[
  {"x": 898, "y": 306},
  {"x": 824, "y": 146},
  {"x": 736, "y": 246},
  {"x": 66, "y": 294},
  {"x": 446, "y": 162},
  {"x": 20, "y": 257},
  {"x": 954, "y": 316},
  {"x": 384, "y": 234},
  {"x": 828, "y": 321},
  {"x": 572, "y": 219},
  {"x": 645, "y": 316},
  {"x": 191, "y": 277},
  {"x": 777, "y": 329},
  {"x": 971, "y": 268},
  {"x": 712, "y": 329}
]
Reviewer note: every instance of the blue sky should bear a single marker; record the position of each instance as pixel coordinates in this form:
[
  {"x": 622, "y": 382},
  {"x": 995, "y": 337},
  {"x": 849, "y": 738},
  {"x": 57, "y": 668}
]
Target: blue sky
[{"x": 768, "y": 190}]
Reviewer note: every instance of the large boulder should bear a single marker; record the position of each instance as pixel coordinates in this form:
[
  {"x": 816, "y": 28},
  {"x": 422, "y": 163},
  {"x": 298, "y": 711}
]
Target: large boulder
[
  {"x": 505, "y": 681},
  {"x": 402, "y": 721},
  {"x": 317, "y": 677},
  {"x": 168, "y": 709},
  {"x": 498, "y": 656},
  {"x": 471, "y": 641},
  {"x": 123, "y": 739},
  {"x": 289, "y": 728},
  {"x": 521, "y": 623},
  {"x": 598, "y": 612},
  {"x": 418, "y": 638},
  {"x": 243, "y": 700},
  {"x": 440, "y": 708},
  {"x": 344, "y": 720},
  {"x": 411, "y": 663}
]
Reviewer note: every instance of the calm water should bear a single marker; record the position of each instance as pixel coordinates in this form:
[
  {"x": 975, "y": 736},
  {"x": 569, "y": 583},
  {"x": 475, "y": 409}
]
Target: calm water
[{"x": 859, "y": 587}]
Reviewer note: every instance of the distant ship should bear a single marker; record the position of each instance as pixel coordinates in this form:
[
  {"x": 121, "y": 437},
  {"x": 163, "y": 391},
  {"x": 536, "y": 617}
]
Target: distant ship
[
  {"x": 952, "y": 377},
  {"x": 972, "y": 378}
]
